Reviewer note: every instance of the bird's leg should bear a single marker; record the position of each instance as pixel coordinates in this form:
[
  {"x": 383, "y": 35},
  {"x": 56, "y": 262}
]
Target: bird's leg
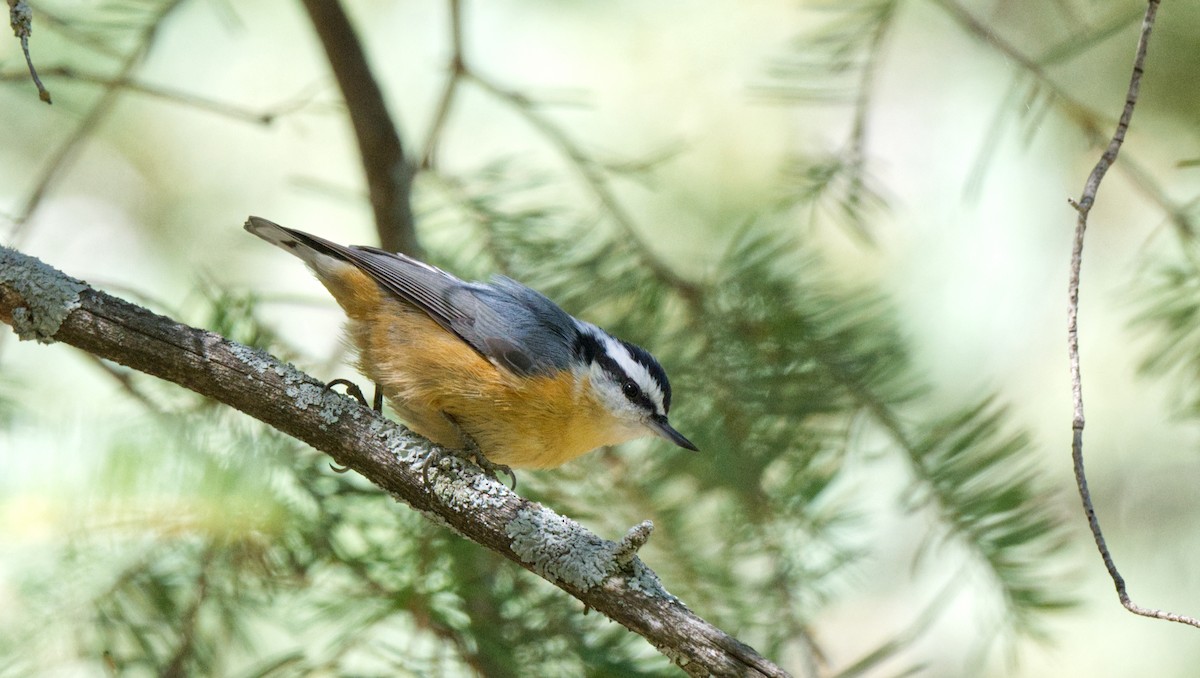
[
  {"x": 355, "y": 392},
  {"x": 470, "y": 451}
]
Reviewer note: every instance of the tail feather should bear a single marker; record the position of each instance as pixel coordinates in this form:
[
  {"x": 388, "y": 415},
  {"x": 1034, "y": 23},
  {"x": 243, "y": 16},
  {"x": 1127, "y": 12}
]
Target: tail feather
[{"x": 326, "y": 259}]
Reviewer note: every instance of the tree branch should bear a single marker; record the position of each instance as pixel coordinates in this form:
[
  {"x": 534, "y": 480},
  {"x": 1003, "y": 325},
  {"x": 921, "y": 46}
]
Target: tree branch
[
  {"x": 1083, "y": 207},
  {"x": 44, "y": 304},
  {"x": 389, "y": 172}
]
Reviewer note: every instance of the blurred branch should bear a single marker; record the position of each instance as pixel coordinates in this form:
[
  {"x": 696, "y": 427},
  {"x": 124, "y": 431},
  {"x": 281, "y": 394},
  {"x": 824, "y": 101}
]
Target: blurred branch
[
  {"x": 177, "y": 96},
  {"x": 856, "y": 150},
  {"x": 62, "y": 157},
  {"x": 835, "y": 61},
  {"x": 178, "y": 666},
  {"x": 1083, "y": 207},
  {"x": 20, "y": 17},
  {"x": 125, "y": 380},
  {"x": 1087, "y": 119},
  {"x": 52, "y": 21},
  {"x": 388, "y": 170},
  {"x": 592, "y": 176},
  {"x": 458, "y": 69},
  {"x": 592, "y": 173},
  {"x": 43, "y": 303}
]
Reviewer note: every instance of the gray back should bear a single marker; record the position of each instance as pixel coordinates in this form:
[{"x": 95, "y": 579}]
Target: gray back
[{"x": 511, "y": 325}]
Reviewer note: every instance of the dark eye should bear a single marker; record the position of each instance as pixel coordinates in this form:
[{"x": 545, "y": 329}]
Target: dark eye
[{"x": 630, "y": 389}]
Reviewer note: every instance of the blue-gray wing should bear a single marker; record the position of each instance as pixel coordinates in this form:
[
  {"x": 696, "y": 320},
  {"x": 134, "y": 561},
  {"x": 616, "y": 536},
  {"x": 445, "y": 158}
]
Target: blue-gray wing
[
  {"x": 513, "y": 326},
  {"x": 519, "y": 328}
]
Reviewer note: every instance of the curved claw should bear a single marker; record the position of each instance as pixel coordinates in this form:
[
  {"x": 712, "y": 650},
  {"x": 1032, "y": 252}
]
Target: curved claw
[
  {"x": 431, "y": 459},
  {"x": 492, "y": 469},
  {"x": 338, "y": 469},
  {"x": 355, "y": 392},
  {"x": 470, "y": 452},
  {"x": 471, "y": 449},
  {"x": 352, "y": 390}
]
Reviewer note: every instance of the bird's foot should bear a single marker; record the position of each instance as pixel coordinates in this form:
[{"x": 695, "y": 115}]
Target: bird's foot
[
  {"x": 355, "y": 392},
  {"x": 469, "y": 452}
]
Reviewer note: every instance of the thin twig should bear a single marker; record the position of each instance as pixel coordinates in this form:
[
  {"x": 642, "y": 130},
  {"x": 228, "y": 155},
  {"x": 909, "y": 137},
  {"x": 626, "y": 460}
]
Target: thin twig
[
  {"x": 65, "y": 153},
  {"x": 591, "y": 173},
  {"x": 1083, "y": 206},
  {"x": 232, "y": 111},
  {"x": 20, "y": 17},
  {"x": 458, "y": 68},
  {"x": 389, "y": 172}
]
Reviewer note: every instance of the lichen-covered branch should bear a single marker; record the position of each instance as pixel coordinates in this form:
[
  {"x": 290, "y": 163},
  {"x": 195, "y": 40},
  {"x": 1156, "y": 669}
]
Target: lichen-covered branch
[{"x": 43, "y": 304}]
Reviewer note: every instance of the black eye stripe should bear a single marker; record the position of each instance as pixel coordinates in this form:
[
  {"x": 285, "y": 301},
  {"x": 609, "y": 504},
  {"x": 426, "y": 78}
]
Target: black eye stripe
[
  {"x": 589, "y": 350},
  {"x": 635, "y": 395},
  {"x": 655, "y": 370}
]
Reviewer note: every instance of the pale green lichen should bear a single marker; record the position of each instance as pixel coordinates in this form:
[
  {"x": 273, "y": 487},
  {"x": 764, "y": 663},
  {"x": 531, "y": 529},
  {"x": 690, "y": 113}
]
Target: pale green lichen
[
  {"x": 457, "y": 482},
  {"x": 47, "y": 295},
  {"x": 643, "y": 580},
  {"x": 634, "y": 539},
  {"x": 479, "y": 493},
  {"x": 256, "y": 359},
  {"x": 306, "y": 394},
  {"x": 560, "y": 549},
  {"x": 303, "y": 391},
  {"x": 406, "y": 445}
]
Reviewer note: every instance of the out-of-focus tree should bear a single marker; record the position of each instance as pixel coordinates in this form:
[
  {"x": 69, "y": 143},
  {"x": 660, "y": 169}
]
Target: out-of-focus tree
[{"x": 207, "y": 544}]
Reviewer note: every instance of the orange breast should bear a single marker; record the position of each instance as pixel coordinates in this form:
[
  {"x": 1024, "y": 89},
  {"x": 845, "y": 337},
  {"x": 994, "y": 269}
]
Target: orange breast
[{"x": 427, "y": 373}]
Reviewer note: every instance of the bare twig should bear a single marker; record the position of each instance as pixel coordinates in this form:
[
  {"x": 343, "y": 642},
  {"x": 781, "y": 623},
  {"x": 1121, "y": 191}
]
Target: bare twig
[
  {"x": 20, "y": 17},
  {"x": 65, "y": 153},
  {"x": 389, "y": 171},
  {"x": 457, "y": 69},
  {"x": 1083, "y": 207},
  {"x": 590, "y": 172},
  {"x": 232, "y": 111},
  {"x": 42, "y": 303}
]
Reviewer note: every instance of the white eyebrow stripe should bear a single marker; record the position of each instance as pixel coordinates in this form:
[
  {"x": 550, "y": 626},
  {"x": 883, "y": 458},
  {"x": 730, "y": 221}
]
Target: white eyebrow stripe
[{"x": 634, "y": 369}]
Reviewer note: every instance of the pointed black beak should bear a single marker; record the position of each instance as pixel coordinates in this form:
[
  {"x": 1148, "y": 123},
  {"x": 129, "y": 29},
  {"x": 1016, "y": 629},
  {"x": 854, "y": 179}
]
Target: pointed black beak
[{"x": 659, "y": 425}]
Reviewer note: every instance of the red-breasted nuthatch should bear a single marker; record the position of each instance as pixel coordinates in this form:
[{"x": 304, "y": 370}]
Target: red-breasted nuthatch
[{"x": 497, "y": 366}]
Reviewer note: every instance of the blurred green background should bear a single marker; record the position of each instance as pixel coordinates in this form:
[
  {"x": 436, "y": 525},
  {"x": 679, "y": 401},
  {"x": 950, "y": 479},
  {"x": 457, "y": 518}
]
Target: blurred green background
[{"x": 867, "y": 202}]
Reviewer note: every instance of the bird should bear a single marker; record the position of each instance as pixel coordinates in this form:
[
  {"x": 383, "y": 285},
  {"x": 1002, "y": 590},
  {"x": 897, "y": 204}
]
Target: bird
[{"x": 494, "y": 370}]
